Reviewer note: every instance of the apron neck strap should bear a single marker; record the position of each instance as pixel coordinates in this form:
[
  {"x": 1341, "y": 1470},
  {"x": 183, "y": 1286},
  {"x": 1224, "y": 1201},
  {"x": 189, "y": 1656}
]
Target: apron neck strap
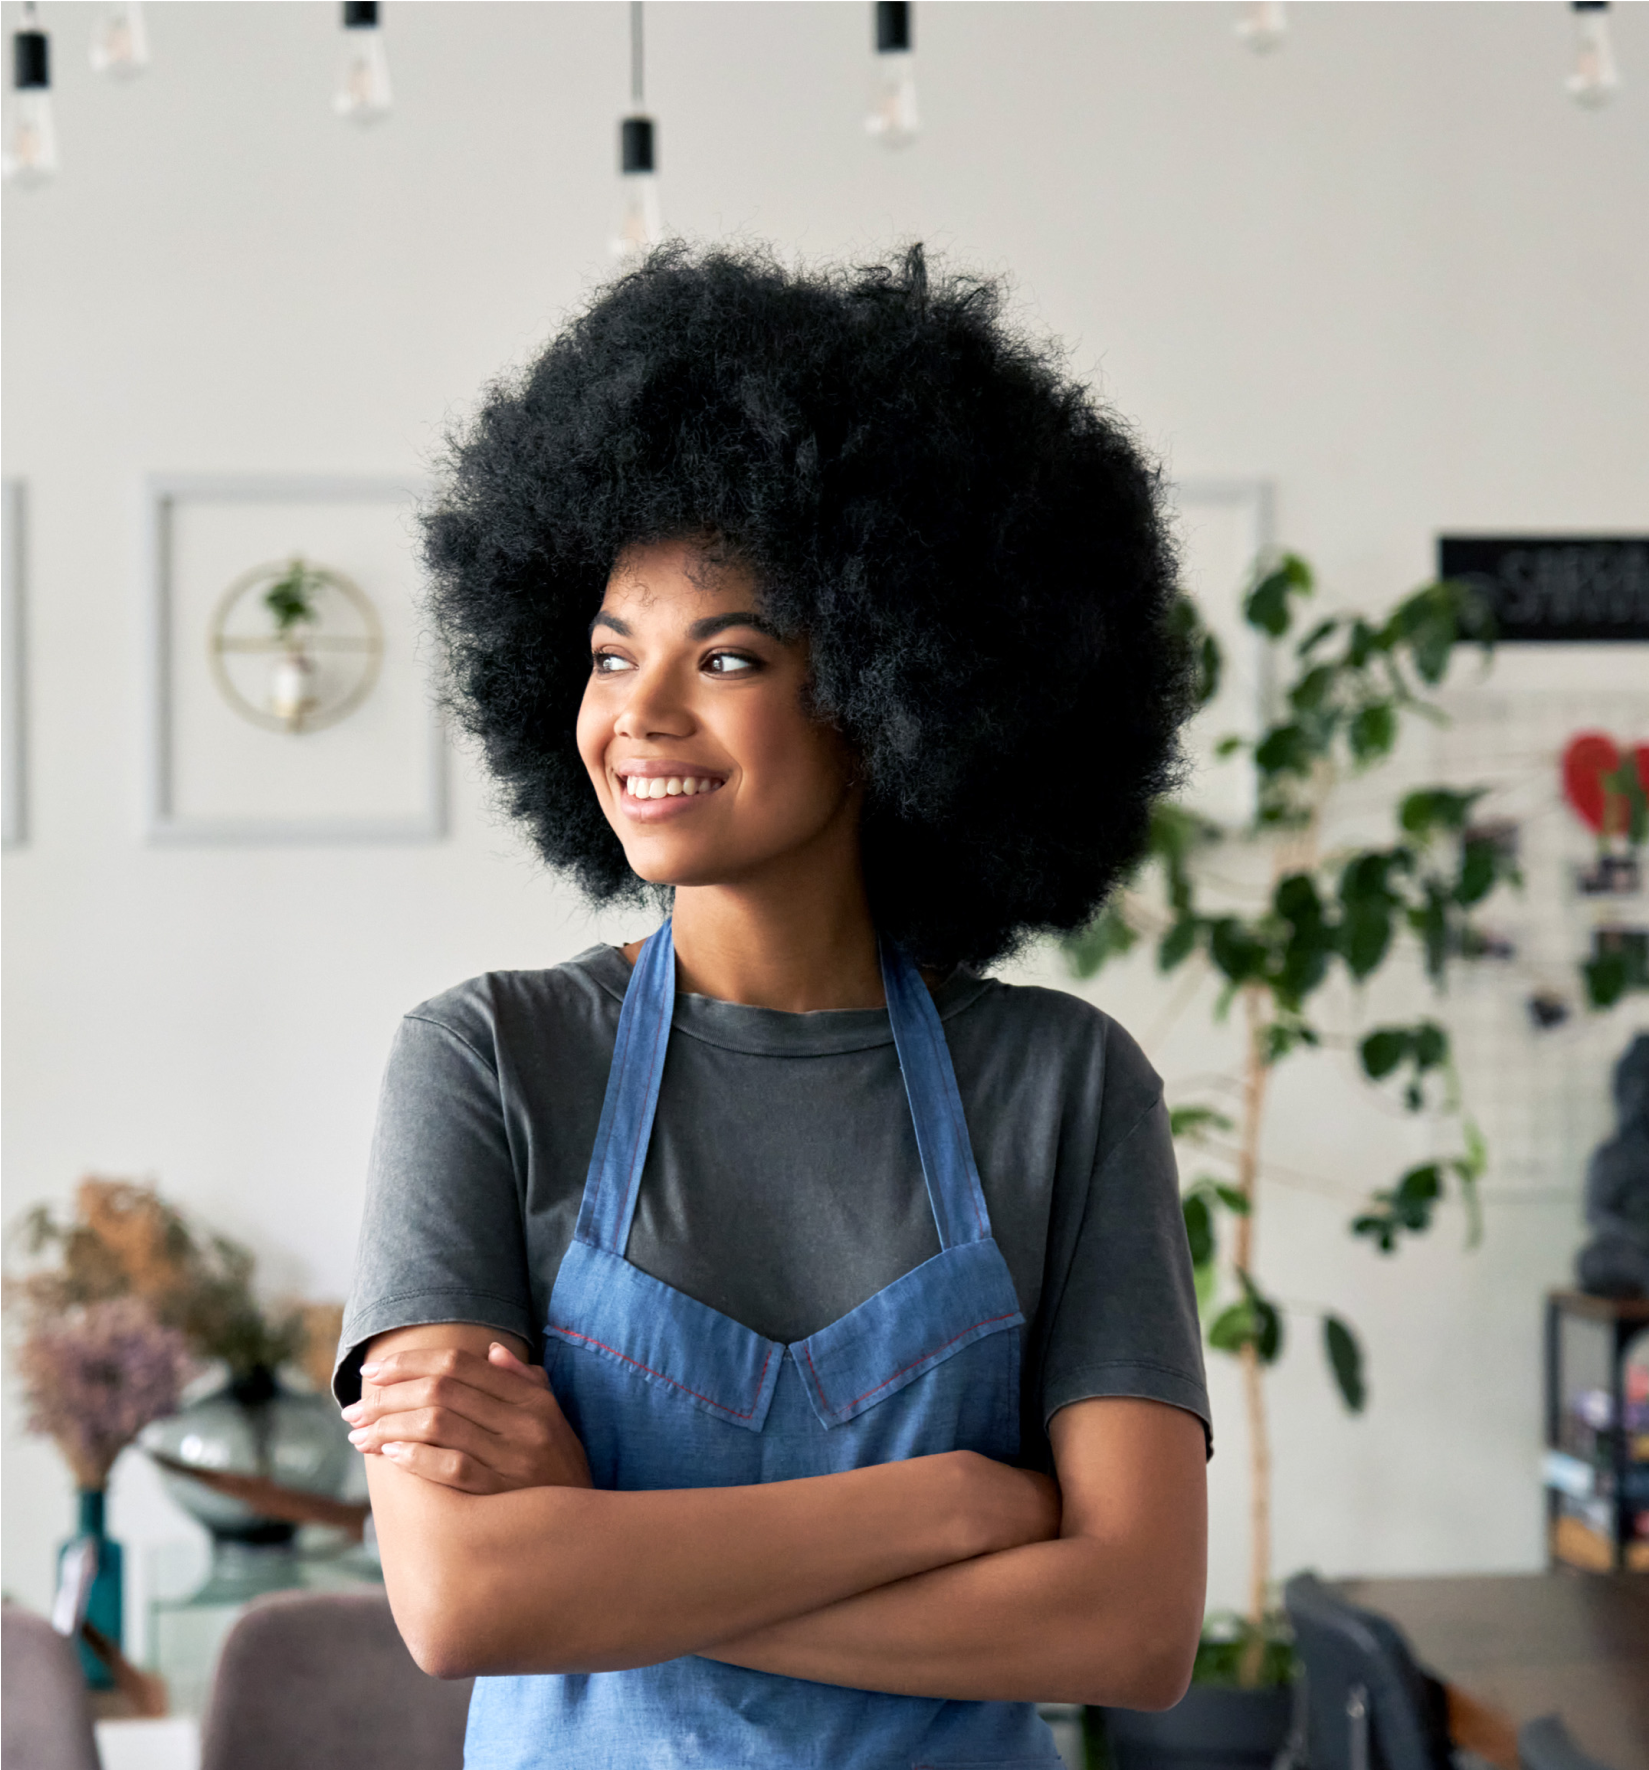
[
  {"x": 620, "y": 1152},
  {"x": 957, "y": 1198},
  {"x": 626, "y": 1126}
]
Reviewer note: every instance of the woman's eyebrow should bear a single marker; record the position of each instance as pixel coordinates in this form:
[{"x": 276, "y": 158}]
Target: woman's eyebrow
[
  {"x": 603, "y": 619},
  {"x": 711, "y": 625}
]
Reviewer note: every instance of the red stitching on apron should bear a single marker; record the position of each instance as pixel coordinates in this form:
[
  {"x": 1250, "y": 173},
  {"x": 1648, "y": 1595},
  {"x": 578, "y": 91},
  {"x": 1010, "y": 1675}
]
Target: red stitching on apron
[{"x": 573, "y": 1334}]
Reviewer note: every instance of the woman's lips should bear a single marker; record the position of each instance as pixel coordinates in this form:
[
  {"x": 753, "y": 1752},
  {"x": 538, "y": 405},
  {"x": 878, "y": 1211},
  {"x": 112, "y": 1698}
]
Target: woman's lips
[{"x": 650, "y": 792}]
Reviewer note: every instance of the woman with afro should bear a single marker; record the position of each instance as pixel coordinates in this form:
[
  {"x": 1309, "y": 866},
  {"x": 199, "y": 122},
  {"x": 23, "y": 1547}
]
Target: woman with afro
[{"x": 774, "y": 1341}]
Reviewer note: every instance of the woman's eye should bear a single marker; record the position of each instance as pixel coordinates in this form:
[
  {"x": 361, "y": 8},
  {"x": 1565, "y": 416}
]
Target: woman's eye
[
  {"x": 731, "y": 663},
  {"x": 607, "y": 663}
]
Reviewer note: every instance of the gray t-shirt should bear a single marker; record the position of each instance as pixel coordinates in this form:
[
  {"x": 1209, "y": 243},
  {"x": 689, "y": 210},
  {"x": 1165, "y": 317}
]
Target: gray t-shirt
[{"x": 782, "y": 1186}]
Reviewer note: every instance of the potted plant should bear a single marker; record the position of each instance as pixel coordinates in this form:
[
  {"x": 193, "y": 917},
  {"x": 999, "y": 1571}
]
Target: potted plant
[
  {"x": 249, "y": 1460},
  {"x": 1309, "y": 909}
]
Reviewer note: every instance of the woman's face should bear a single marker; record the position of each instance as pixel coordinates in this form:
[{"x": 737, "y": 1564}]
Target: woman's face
[{"x": 694, "y": 731}]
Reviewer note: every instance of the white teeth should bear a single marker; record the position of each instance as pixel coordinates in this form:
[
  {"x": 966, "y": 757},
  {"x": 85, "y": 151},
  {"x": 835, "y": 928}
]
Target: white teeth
[{"x": 642, "y": 786}]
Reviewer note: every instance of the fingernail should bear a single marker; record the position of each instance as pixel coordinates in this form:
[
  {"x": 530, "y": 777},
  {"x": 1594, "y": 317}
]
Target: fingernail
[
  {"x": 358, "y": 1436},
  {"x": 354, "y": 1411},
  {"x": 394, "y": 1450},
  {"x": 371, "y": 1368}
]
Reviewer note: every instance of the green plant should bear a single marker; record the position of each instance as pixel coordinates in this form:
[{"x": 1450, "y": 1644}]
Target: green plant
[
  {"x": 291, "y": 598},
  {"x": 1346, "y": 687}
]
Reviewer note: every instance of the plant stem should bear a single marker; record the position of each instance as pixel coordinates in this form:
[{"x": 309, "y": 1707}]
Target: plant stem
[{"x": 1255, "y": 1075}]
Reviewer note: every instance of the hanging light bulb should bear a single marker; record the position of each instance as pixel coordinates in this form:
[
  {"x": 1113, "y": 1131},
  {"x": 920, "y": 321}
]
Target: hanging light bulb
[
  {"x": 1595, "y": 77},
  {"x": 893, "y": 97},
  {"x": 1263, "y": 25},
  {"x": 31, "y": 151},
  {"x": 120, "y": 42},
  {"x": 639, "y": 225},
  {"x": 363, "y": 91}
]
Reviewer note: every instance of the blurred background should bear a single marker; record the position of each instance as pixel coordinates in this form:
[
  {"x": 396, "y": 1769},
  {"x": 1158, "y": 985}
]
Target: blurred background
[{"x": 1382, "y": 283}]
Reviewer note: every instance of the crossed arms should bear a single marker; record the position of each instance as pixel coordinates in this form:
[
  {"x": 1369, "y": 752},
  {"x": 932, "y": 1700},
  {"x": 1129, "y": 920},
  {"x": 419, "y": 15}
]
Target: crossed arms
[{"x": 945, "y": 1576}]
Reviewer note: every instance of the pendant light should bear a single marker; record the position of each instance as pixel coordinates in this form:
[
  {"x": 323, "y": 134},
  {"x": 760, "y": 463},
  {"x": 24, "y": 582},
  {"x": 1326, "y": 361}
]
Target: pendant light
[
  {"x": 120, "y": 41},
  {"x": 1263, "y": 25},
  {"x": 1595, "y": 77},
  {"x": 363, "y": 93},
  {"x": 31, "y": 151},
  {"x": 639, "y": 224},
  {"x": 893, "y": 119}
]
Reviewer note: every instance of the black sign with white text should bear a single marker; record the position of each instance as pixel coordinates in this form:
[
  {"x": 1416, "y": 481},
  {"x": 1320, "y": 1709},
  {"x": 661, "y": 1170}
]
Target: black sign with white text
[{"x": 1555, "y": 587}]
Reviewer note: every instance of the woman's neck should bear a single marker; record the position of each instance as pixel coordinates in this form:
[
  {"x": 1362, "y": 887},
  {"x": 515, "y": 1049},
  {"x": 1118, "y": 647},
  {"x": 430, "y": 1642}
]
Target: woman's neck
[
  {"x": 797, "y": 951},
  {"x": 800, "y": 941}
]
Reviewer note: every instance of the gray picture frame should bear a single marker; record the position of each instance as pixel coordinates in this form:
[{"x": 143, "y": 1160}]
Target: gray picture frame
[{"x": 164, "y": 825}]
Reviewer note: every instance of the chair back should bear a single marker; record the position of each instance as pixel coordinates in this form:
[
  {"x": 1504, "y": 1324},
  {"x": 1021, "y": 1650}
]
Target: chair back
[
  {"x": 1546, "y": 1744},
  {"x": 1367, "y": 1703},
  {"x": 323, "y": 1680},
  {"x": 45, "y": 1711}
]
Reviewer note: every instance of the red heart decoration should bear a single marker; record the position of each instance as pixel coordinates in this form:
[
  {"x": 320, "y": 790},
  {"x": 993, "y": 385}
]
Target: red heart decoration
[{"x": 1589, "y": 756}]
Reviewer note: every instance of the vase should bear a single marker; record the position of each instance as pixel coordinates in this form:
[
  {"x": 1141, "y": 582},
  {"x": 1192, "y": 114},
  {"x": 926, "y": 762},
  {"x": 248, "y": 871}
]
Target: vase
[
  {"x": 106, "y": 1603},
  {"x": 253, "y": 1425},
  {"x": 1212, "y": 1727}
]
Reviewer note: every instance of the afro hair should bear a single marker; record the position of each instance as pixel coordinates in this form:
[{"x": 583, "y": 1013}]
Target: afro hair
[{"x": 977, "y": 555}]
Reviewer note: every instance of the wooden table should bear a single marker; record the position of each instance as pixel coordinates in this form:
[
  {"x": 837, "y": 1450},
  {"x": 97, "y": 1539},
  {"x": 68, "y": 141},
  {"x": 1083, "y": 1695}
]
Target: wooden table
[{"x": 1531, "y": 1644}]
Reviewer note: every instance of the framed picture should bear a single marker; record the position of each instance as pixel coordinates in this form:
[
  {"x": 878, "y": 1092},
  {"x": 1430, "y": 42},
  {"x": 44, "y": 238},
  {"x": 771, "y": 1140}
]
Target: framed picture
[
  {"x": 288, "y": 700},
  {"x": 14, "y": 774},
  {"x": 1224, "y": 527}
]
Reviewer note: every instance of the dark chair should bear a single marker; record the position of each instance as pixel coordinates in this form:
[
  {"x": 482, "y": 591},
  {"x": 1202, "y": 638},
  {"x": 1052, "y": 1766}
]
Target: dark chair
[
  {"x": 45, "y": 1712},
  {"x": 1367, "y": 1705},
  {"x": 1545, "y": 1744},
  {"x": 322, "y": 1680}
]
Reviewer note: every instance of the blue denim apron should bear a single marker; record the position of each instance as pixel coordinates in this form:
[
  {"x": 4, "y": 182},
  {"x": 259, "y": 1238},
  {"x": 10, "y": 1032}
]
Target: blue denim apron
[{"x": 666, "y": 1392}]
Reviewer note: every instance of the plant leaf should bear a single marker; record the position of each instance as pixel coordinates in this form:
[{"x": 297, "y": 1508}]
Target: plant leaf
[
  {"x": 1345, "y": 1359},
  {"x": 1192, "y": 1121},
  {"x": 1199, "y": 1227},
  {"x": 1177, "y": 944},
  {"x": 1285, "y": 749},
  {"x": 1236, "y": 950},
  {"x": 1373, "y": 731},
  {"x": 1431, "y": 809},
  {"x": 1383, "y": 1050},
  {"x": 1266, "y": 605},
  {"x": 1105, "y": 938}
]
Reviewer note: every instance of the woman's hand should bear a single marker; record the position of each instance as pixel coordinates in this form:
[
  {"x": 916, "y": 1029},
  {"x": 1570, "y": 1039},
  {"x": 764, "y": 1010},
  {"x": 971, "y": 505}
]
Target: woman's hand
[
  {"x": 1010, "y": 1507},
  {"x": 479, "y": 1424}
]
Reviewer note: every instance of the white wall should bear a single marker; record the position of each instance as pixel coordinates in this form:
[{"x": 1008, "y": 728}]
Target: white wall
[{"x": 1390, "y": 266}]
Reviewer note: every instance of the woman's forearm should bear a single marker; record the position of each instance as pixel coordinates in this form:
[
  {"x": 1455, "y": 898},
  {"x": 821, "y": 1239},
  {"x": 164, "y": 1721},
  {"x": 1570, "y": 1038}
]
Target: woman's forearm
[
  {"x": 1069, "y": 1621},
  {"x": 563, "y": 1579},
  {"x": 1108, "y": 1614}
]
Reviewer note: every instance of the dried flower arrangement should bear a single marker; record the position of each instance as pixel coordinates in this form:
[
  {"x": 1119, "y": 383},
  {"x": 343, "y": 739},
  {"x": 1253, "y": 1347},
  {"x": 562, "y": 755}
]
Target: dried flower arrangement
[
  {"x": 95, "y": 1376},
  {"x": 134, "y": 1304},
  {"x": 124, "y": 1240}
]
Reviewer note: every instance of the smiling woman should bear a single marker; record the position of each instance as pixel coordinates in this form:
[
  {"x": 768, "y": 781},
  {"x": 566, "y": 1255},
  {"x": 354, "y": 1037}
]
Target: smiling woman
[{"x": 774, "y": 1342}]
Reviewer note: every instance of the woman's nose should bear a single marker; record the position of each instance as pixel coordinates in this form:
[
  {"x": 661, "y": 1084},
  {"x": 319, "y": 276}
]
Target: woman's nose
[{"x": 653, "y": 708}]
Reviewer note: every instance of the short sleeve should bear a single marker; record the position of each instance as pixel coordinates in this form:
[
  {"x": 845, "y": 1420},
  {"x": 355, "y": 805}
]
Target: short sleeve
[
  {"x": 1126, "y": 1320},
  {"x": 441, "y": 1236}
]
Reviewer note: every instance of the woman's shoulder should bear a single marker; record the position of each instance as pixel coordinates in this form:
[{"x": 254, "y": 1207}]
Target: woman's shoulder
[
  {"x": 500, "y": 1008},
  {"x": 1057, "y": 1042}
]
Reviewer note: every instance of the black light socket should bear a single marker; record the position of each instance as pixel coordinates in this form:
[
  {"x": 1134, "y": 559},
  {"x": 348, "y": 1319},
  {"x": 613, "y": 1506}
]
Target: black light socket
[
  {"x": 31, "y": 62},
  {"x": 635, "y": 145},
  {"x": 360, "y": 15},
  {"x": 892, "y": 26}
]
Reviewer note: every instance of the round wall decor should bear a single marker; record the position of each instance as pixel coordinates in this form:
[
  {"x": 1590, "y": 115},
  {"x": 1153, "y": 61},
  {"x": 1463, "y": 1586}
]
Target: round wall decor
[{"x": 295, "y": 646}]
